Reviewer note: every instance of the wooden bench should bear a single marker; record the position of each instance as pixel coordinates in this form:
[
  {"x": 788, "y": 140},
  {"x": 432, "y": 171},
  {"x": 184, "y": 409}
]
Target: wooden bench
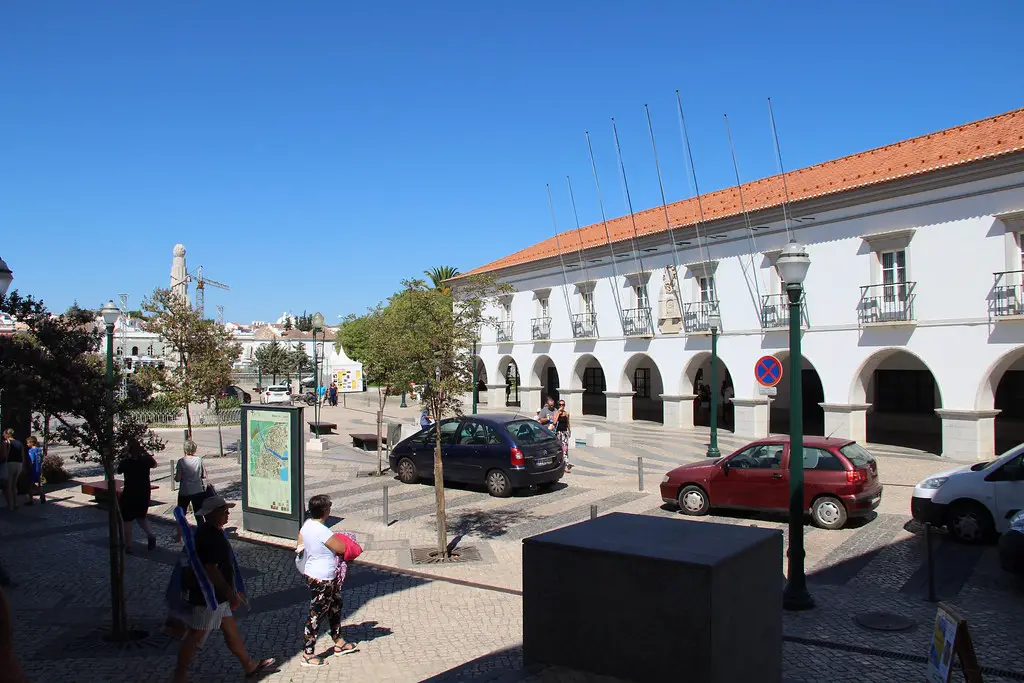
[
  {"x": 325, "y": 427},
  {"x": 367, "y": 441},
  {"x": 98, "y": 489}
]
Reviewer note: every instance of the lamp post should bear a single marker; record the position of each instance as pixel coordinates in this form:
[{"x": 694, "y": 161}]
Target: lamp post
[
  {"x": 793, "y": 263},
  {"x": 110, "y": 313},
  {"x": 476, "y": 379},
  {"x": 715, "y": 323},
  {"x": 5, "y": 281},
  {"x": 318, "y": 330}
]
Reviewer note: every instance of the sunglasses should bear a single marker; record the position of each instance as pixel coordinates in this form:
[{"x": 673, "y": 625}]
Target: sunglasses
[{"x": 561, "y": 405}]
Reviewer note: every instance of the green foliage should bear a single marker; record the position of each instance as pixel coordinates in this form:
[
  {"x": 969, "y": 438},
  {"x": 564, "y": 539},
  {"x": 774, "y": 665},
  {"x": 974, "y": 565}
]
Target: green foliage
[
  {"x": 304, "y": 322},
  {"x": 53, "y": 469},
  {"x": 439, "y": 274},
  {"x": 353, "y": 336},
  {"x": 298, "y": 360},
  {"x": 288, "y": 324},
  {"x": 228, "y": 403},
  {"x": 272, "y": 359},
  {"x": 163, "y": 402}
]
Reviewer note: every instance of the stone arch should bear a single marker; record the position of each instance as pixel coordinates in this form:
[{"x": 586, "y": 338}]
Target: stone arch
[
  {"x": 813, "y": 395},
  {"x": 903, "y": 394},
  {"x": 698, "y": 372},
  {"x": 508, "y": 371},
  {"x": 545, "y": 375},
  {"x": 588, "y": 375},
  {"x": 642, "y": 376},
  {"x": 481, "y": 380},
  {"x": 1002, "y": 389}
]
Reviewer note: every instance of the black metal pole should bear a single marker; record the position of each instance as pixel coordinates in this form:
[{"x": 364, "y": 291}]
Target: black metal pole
[
  {"x": 928, "y": 547},
  {"x": 476, "y": 393},
  {"x": 713, "y": 451},
  {"x": 796, "y": 596},
  {"x": 316, "y": 390}
]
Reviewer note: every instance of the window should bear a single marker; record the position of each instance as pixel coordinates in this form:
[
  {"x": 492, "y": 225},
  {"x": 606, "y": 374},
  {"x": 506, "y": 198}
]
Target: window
[
  {"x": 820, "y": 459},
  {"x": 894, "y": 274},
  {"x": 642, "y": 300},
  {"x": 707, "y": 288},
  {"x": 857, "y": 456},
  {"x": 593, "y": 381},
  {"x": 506, "y": 310},
  {"x": 545, "y": 308},
  {"x": 588, "y": 301},
  {"x": 642, "y": 383},
  {"x": 449, "y": 430},
  {"x": 477, "y": 434},
  {"x": 763, "y": 457},
  {"x": 528, "y": 432},
  {"x": 135, "y": 350}
]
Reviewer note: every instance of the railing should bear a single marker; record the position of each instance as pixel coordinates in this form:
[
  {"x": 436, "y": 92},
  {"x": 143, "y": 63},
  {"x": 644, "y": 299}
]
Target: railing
[
  {"x": 504, "y": 329},
  {"x": 775, "y": 311},
  {"x": 696, "y": 314},
  {"x": 636, "y": 322},
  {"x": 886, "y": 303},
  {"x": 1006, "y": 294},
  {"x": 584, "y": 325},
  {"x": 176, "y": 418},
  {"x": 540, "y": 328}
]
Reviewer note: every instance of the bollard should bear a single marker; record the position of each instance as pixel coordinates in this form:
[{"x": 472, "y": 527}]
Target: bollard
[
  {"x": 593, "y": 512},
  {"x": 174, "y": 484},
  {"x": 928, "y": 545},
  {"x": 640, "y": 470},
  {"x": 386, "y": 519}
]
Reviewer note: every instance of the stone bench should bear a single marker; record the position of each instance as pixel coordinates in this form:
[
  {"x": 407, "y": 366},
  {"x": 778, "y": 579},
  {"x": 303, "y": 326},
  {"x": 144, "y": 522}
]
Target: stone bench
[
  {"x": 324, "y": 427},
  {"x": 99, "y": 491},
  {"x": 590, "y": 436},
  {"x": 367, "y": 442}
]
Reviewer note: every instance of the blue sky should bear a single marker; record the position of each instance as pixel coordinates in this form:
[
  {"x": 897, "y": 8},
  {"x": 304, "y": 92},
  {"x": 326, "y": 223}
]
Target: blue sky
[{"x": 313, "y": 154}]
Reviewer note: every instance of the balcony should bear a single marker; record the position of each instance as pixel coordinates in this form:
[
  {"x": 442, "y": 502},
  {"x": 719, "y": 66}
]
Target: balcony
[
  {"x": 696, "y": 314},
  {"x": 886, "y": 304},
  {"x": 584, "y": 325},
  {"x": 504, "y": 330},
  {"x": 1006, "y": 294},
  {"x": 636, "y": 322},
  {"x": 775, "y": 311},
  {"x": 540, "y": 328}
]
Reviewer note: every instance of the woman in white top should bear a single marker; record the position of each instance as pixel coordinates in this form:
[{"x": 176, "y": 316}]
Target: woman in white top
[
  {"x": 321, "y": 549},
  {"x": 190, "y": 472}
]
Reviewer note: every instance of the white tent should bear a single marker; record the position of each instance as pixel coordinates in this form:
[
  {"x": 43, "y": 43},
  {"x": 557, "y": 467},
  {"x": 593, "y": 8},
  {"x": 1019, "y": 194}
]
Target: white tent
[{"x": 345, "y": 371}]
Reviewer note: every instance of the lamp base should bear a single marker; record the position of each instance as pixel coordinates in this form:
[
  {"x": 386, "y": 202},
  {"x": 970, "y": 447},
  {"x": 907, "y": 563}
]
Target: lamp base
[
  {"x": 714, "y": 453},
  {"x": 315, "y": 445},
  {"x": 796, "y": 598}
]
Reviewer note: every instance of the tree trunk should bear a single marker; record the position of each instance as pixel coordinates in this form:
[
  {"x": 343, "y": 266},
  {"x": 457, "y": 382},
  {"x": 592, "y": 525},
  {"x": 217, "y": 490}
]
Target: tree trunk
[
  {"x": 118, "y": 609},
  {"x": 442, "y": 517},
  {"x": 380, "y": 427},
  {"x": 220, "y": 434},
  {"x": 188, "y": 419}
]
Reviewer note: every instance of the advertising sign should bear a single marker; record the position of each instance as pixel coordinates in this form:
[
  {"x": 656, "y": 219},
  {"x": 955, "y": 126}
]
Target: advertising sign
[
  {"x": 272, "y": 470},
  {"x": 349, "y": 379},
  {"x": 950, "y": 638}
]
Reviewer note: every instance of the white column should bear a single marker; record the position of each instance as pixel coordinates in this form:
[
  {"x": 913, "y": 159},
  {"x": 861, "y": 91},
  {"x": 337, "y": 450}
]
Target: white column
[
  {"x": 496, "y": 398},
  {"x": 751, "y": 417},
  {"x": 968, "y": 434},
  {"x": 620, "y": 406},
  {"x": 573, "y": 400},
  {"x": 846, "y": 420},
  {"x": 678, "y": 410},
  {"x": 529, "y": 399}
]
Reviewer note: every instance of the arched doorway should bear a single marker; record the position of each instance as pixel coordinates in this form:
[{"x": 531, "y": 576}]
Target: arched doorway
[
  {"x": 813, "y": 395},
  {"x": 1003, "y": 390},
  {"x": 698, "y": 379},
  {"x": 903, "y": 395},
  {"x": 545, "y": 376},
  {"x": 589, "y": 376},
  {"x": 508, "y": 369},
  {"x": 481, "y": 380},
  {"x": 135, "y": 350},
  {"x": 641, "y": 376}
]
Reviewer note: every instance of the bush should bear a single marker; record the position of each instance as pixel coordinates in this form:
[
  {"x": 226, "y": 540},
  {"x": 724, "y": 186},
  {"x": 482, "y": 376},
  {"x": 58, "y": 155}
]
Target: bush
[
  {"x": 162, "y": 402},
  {"x": 53, "y": 469},
  {"x": 228, "y": 403}
]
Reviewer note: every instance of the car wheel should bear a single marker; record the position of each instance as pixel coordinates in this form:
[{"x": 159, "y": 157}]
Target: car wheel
[
  {"x": 407, "y": 471},
  {"x": 498, "y": 484},
  {"x": 970, "y": 522},
  {"x": 828, "y": 513},
  {"x": 693, "y": 500}
]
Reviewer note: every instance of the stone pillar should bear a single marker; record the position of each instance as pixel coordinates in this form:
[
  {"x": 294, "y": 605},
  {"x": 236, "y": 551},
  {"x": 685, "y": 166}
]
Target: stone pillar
[
  {"x": 529, "y": 399},
  {"x": 751, "y": 417},
  {"x": 620, "y": 406},
  {"x": 968, "y": 434},
  {"x": 179, "y": 273},
  {"x": 846, "y": 420},
  {"x": 496, "y": 398},
  {"x": 678, "y": 410},
  {"x": 573, "y": 400}
]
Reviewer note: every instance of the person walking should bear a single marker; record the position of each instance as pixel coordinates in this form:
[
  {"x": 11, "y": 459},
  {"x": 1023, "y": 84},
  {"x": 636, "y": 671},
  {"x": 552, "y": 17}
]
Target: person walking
[
  {"x": 216, "y": 560},
  {"x": 546, "y": 413},
  {"x": 425, "y": 418},
  {"x": 135, "y": 494},
  {"x": 334, "y": 394},
  {"x": 563, "y": 432},
  {"x": 190, "y": 473},
  {"x": 35, "y": 470},
  {"x": 321, "y": 550},
  {"x": 14, "y": 462}
]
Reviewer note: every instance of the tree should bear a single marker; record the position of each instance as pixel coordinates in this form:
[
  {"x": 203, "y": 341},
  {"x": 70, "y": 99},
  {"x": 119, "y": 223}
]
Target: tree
[
  {"x": 353, "y": 336},
  {"x": 304, "y": 323},
  {"x": 436, "y": 329},
  {"x": 287, "y": 323},
  {"x": 299, "y": 360},
  {"x": 54, "y": 370},
  {"x": 204, "y": 351},
  {"x": 439, "y": 274},
  {"x": 272, "y": 359}
]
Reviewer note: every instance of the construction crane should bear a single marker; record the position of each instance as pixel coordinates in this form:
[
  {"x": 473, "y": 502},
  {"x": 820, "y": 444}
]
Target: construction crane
[{"x": 201, "y": 283}]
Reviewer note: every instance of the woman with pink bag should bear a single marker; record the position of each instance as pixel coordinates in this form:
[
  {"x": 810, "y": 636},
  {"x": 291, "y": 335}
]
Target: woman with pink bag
[{"x": 322, "y": 558}]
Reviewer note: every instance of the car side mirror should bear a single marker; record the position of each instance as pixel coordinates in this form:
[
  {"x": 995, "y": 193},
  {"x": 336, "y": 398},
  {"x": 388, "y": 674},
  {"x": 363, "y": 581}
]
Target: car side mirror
[{"x": 725, "y": 468}]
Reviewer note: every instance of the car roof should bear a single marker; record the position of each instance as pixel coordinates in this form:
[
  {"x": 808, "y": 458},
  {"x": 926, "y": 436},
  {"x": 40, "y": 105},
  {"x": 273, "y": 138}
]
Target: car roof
[
  {"x": 496, "y": 418},
  {"x": 812, "y": 441}
]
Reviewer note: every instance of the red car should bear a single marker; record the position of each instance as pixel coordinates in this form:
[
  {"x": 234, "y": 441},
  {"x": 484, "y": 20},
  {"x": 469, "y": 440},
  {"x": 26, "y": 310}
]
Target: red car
[{"x": 840, "y": 480}]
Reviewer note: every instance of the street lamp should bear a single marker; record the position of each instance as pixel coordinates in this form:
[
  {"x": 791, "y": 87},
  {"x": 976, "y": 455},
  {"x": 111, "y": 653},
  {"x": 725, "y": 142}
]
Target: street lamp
[
  {"x": 318, "y": 329},
  {"x": 715, "y": 323},
  {"x": 476, "y": 379},
  {"x": 6, "y": 275},
  {"x": 793, "y": 263}
]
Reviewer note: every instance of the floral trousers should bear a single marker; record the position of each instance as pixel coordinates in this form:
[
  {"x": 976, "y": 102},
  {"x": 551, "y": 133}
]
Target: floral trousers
[
  {"x": 563, "y": 440},
  {"x": 324, "y": 601}
]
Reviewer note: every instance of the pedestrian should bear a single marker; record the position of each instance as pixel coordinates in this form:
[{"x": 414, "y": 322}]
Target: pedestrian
[
  {"x": 215, "y": 559},
  {"x": 190, "y": 473},
  {"x": 425, "y": 418},
  {"x": 35, "y": 470},
  {"x": 334, "y": 394},
  {"x": 12, "y": 671},
  {"x": 547, "y": 412},
  {"x": 321, "y": 550},
  {"x": 727, "y": 407},
  {"x": 563, "y": 432},
  {"x": 14, "y": 460},
  {"x": 135, "y": 494}
]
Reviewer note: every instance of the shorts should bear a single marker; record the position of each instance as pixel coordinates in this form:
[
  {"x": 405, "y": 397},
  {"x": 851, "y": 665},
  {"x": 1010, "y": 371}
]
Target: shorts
[
  {"x": 195, "y": 500},
  {"x": 13, "y": 470}
]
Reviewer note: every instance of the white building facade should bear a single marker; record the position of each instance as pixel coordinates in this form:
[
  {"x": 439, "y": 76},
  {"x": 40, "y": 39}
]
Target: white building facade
[{"x": 913, "y": 316}]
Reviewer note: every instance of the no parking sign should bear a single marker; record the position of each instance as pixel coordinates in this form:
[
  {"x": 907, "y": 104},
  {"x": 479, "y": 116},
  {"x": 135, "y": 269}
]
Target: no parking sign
[{"x": 768, "y": 371}]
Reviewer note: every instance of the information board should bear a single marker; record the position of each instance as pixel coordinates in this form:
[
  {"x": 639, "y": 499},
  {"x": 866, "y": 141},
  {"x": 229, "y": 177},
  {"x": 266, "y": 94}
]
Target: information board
[
  {"x": 272, "y": 469},
  {"x": 950, "y": 638}
]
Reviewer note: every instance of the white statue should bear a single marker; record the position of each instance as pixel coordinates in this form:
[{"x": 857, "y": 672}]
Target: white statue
[{"x": 670, "y": 318}]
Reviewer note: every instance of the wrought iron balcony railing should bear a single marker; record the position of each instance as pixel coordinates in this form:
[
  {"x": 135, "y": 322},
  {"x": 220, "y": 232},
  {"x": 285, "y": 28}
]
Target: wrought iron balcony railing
[
  {"x": 1006, "y": 294},
  {"x": 696, "y": 314},
  {"x": 775, "y": 311},
  {"x": 504, "y": 330},
  {"x": 886, "y": 303},
  {"x": 636, "y": 322},
  {"x": 584, "y": 325},
  {"x": 540, "y": 328}
]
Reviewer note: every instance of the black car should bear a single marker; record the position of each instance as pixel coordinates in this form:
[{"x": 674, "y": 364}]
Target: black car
[
  {"x": 233, "y": 391},
  {"x": 503, "y": 452}
]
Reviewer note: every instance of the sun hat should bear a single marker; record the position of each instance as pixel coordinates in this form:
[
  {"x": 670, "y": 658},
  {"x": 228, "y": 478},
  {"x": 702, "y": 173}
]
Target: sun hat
[{"x": 213, "y": 503}]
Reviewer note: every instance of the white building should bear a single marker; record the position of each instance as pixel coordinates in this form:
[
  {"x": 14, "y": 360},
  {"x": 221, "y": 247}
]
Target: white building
[{"x": 913, "y": 315}]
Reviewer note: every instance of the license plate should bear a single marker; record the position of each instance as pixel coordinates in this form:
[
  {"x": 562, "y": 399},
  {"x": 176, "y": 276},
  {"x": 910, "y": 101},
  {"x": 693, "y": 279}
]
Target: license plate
[{"x": 541, "y": 462}]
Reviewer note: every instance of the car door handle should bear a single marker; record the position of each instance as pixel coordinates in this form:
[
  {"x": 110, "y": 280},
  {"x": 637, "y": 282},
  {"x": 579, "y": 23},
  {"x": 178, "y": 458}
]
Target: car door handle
[{"x": 777, "y": 475}]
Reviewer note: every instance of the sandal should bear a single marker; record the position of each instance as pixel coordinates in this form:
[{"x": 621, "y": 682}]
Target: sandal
[
  {"x": 345, "y": 649},
  {"x": 264, "y": 666},
  {"x": 312, "y": 660}
]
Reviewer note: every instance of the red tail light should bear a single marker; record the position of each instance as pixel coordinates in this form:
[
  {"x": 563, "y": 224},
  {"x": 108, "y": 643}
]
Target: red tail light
[
  {"x": 856, "y": 476},
  {"x": 517, "y": 457}
]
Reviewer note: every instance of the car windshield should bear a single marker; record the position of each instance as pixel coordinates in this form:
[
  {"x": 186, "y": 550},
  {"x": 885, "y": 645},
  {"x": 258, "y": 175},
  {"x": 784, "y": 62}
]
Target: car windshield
[
  {"x": 856, "y": 454},
  {"x": 528, "y": 432}
]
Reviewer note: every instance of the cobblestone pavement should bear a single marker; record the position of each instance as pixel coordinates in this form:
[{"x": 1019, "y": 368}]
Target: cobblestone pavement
[{"x": 464, "y": 622}]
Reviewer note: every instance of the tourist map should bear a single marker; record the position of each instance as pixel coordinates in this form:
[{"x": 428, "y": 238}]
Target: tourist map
[{"x": 269, "y": 460}]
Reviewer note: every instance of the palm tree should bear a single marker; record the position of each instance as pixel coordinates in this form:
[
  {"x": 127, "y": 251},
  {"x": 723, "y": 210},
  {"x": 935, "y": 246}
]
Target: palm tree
[{"x": 441, "y": 273}]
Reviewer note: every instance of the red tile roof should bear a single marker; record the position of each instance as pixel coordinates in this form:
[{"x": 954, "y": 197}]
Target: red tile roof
[{"x": 991, "y": 137}]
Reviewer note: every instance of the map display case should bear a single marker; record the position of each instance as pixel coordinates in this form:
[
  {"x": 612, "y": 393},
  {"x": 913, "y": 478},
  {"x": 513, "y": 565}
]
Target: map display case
[{"x": 273, "y": 495}]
